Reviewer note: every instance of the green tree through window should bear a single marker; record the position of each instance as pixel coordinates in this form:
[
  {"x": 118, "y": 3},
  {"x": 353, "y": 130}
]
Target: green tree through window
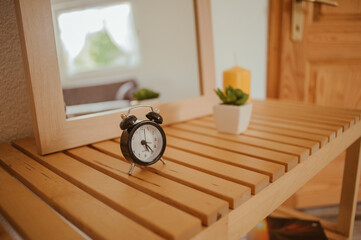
[
  {"x": 98, "y": 51},
  {"x": 97, "y": 39}
]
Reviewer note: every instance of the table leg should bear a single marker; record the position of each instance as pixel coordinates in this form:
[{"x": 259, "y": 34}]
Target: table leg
[{"x": 350, "y": 185}]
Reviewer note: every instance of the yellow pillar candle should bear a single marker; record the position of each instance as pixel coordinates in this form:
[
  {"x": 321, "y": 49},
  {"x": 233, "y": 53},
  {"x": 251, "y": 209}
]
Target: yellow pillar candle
[{"x": 237, "y": 77}]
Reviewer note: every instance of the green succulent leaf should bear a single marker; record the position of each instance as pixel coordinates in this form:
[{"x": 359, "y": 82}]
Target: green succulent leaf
[
  {"x": 229, "y": 90},
  {"x": 239, "y": 93},
  {"x": 221, "y": 95},
  {"x": 232, "y": 96},
  {"x": 144, "y": 94},
  {"x": 242, "y": 100}
]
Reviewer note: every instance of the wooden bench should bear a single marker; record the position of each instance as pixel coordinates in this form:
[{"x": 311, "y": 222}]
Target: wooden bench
[{"x": 214, "y": 185}]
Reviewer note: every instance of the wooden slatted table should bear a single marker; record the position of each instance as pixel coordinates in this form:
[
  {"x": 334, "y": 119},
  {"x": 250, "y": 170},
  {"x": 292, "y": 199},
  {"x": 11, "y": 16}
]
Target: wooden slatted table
[{"x": 214, "y": 185}]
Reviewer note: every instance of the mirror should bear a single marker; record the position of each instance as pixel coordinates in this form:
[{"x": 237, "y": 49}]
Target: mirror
[
  {"x": 107, "y": 50},
  {"x": 53, "y": 131}
]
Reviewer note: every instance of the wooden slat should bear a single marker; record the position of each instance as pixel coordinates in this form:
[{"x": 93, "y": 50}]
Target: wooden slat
[
  {"x": 204, "y": 206},
  {"x": 285, "y": 101},
  {"x": 332, "y": 111},
  {"x": 255, "y": 180},
  {"x": 310, "y": 109},
  {"x": 297, "y": 115},
  {"x": 273, "y": 170},
  {"x": 313, "y": 146},
  {"x": 234, "y": 193},
  {"x": 323, "y": 140},
  {"x": 265, "y": 154},
  {"x": 204, "y": 122},
  {"x": 287, "y": 132},
  {"x": 31, "y": 217},
  {"x": 329, "y": 134},
  {"x": 89, "y": 214},
  {"x": 304, "y": 117},
  {"x": 298, "y": 131},
  {"x": 310, "y": 115},
  {"x": 134, "y": 204},
  {"x": 301, "y": 153},
  {"x": 338, "y": 129}
]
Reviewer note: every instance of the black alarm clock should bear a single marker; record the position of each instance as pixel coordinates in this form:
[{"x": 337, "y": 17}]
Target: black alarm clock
[{"x": 142, "y": 141}]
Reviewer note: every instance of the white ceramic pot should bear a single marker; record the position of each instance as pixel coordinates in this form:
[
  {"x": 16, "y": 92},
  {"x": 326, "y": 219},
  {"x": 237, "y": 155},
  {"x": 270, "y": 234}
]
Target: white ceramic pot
[{"x": 232, "y": 119}]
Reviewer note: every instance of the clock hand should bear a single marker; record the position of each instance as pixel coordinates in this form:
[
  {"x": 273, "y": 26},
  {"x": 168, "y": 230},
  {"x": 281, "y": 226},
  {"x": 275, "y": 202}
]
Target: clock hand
[
  {"x": 149, "y": 147},
  {"x": 144, "y": 143}
]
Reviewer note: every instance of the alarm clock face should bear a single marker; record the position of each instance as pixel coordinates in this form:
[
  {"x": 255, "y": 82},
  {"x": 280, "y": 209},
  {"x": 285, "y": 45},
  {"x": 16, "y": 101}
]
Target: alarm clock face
[{"x": 147, "y": 143}]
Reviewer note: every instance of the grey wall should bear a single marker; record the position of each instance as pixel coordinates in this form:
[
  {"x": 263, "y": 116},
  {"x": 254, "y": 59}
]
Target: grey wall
[{"x": 15, "y": 118}]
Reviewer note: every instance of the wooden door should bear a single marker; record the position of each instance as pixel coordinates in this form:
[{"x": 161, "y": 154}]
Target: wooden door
[{"x": 324, "y": 68}]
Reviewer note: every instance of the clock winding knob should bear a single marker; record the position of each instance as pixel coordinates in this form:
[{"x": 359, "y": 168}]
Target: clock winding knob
[
  {"x": 156, "y": 117},
  {"x": 128, "y": 122}
]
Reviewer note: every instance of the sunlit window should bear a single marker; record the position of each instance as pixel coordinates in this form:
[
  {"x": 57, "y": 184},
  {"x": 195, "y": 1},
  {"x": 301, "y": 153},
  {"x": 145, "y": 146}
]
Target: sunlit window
[{"x": 97, "y": 39}]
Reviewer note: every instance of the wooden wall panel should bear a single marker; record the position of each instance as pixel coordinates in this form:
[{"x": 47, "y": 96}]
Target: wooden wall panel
[
  {"x": 334, "y": 84},
  {"x": 345, "y": 7},
  {"x": 324, "y": 68}
]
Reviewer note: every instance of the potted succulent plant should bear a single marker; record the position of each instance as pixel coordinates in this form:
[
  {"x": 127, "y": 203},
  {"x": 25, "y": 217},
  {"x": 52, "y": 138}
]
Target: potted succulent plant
[
  {"x": 234, "y": 113},
  {"x": 145, "y": 96}
]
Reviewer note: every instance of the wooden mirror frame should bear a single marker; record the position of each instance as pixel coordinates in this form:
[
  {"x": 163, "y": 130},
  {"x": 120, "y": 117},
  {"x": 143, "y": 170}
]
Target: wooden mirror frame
[{"x": 53, "y": 132}]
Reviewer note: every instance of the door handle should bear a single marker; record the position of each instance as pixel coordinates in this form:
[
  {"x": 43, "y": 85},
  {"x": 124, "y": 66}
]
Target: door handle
[{"x": 298, "y": 16}]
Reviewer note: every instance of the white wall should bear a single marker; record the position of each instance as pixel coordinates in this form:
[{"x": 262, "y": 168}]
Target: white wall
[{"x": 240, "y": 29}]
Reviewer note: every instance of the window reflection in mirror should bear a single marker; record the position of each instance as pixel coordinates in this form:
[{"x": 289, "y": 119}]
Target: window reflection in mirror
[
  {"x": 107, "y": 50},
  {"x": 103, "y": 38}
]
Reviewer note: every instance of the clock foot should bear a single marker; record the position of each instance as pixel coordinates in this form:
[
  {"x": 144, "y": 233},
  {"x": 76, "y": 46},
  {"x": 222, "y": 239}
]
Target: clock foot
[
  {"x": 162, "y": 160},
  {"x": 131, "y": 169}
]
